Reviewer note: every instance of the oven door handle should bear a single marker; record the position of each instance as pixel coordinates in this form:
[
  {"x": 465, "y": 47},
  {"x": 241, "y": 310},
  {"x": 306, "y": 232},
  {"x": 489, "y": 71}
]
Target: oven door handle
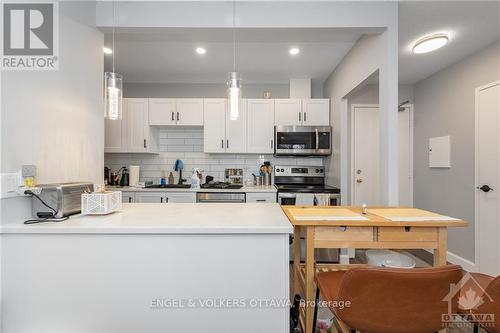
[
  {"x": 286, "y": 195},
  {"x": 317, "y": 138}
]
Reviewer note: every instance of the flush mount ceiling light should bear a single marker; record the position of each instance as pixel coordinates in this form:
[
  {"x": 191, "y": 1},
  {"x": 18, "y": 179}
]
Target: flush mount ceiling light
[
  {"x": 201, "y": 50},
  {"x": 107, "y": 50},
  {"x": 294, "y": 51},
  {"x": 430, "y": 43}
]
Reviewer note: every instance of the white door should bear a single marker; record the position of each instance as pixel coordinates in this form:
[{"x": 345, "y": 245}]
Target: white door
[
  {"x": 189, "y": 112},
  {"x": 488, "y": 177},
  {"x": 288, "y": 111},
  {"x": 137, "y": 124},
  {"x": 316, "y": 112},
  {"x": 260, "y": 126},
  {"x": 236, "y": 130},
  {"x": 162, "y": 111},
  {"x": 365, "y": 155},
  {"x": 214, "y": 131},
  {"x": 405, "y": 138},
  {"x": 115, "y": 139}
]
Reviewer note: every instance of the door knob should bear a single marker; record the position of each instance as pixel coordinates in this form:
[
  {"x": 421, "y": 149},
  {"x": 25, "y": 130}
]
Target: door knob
[
  {"x": 485, "y": 188},
  {"x": 359, "y": 180}
]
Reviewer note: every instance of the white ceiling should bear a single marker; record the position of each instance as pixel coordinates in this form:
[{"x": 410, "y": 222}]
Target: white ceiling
[
  {"x": 472, "y": 25},
  {"x": 168, "y": 55}
]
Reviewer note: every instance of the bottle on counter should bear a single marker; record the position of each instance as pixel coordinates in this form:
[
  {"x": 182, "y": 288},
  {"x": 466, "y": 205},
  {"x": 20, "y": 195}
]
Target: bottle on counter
[{"x": 171, "y": 179}]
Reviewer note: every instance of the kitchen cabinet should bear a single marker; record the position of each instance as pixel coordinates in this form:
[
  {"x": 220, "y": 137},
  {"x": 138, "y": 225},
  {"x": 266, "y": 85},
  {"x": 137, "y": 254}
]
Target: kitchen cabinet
[
  {"x": 131, "y": 134},
  {"x": 128, "y": 197},
  {"x": 303, "y": 112},
  {"x": 180, "y": 197},
  {"x": 150, "y": 197},
  {"x": 176, "y": 111},
  {"x": 288, "y": 111},
  {"x": 261, "y": 197},
  {"x": 316, "y": 112},
  {"x": 189, "y": 112},
  {"x": 260, "y": 126},
  {"x": 221, "y": 134},
  {"x": 162, "y": 111}
]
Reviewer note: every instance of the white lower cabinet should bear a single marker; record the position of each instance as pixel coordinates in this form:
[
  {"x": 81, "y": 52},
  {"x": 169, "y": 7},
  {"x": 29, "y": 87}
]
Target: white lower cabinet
[
  {"x": 165, "y": 197},
  {"x": 261, "y": 197},
  {"x": 128, "y": 197},
  {"x": 181, "y": 197}
]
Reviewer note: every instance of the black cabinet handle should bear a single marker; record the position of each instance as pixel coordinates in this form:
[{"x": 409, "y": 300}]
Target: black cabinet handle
[
  {"x": 178, "y": 117},
  {"x": 129, "y": 199},
  {"x": 485, "y": 188},
  {"x": 227, "y": 143},
  {"x": 272, "y": 143},
  {"x": 145, "y": 145},
  {"x": 300, "y": 118},
  {"x": 222, "y": 143},
  {"x": 173, "y": 116},
  {"x": 305, "y": 116},
  {"x": 166, "y": 199},
  {"x": 161, "y": 199}
]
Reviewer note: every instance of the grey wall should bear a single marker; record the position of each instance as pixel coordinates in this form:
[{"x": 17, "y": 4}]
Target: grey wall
[
  {"x": 54, "y": 119},
  {"x": 188, "y": 90},
  {"x": 445, "y": 105}
]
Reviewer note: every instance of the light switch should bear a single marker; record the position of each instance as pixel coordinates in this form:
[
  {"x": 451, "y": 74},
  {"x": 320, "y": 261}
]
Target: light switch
[{"x": 9, "y": 184}]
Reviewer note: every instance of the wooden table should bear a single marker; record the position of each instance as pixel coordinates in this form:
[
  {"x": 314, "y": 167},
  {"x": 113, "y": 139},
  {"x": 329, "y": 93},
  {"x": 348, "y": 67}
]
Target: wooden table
[{"x": 374, "y": 233}]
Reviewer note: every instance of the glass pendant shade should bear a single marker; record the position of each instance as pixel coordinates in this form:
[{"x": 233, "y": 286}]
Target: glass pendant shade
[
  {"x": 234, "y": 95},
  {"x": 113, "y": 88}
]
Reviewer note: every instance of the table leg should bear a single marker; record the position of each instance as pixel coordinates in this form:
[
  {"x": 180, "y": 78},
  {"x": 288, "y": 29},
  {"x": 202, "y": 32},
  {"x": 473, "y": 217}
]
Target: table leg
[
  {"x": 296, "y": 260},
  {"x": 440, "y": 252},
  {"x": 310, "y": 288}
]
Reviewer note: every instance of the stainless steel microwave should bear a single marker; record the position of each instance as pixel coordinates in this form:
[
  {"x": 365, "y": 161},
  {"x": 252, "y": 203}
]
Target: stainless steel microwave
[{"x": 302, "y": 140}]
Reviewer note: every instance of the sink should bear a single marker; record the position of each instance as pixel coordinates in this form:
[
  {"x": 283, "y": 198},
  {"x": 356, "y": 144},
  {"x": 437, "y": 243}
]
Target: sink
[{"x": 169, "y": 186}]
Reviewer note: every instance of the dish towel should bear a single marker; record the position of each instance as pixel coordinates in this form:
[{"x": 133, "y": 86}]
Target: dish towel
[
  {"x": 304, "y": 199},
  {"x": 322, "y": 199}
]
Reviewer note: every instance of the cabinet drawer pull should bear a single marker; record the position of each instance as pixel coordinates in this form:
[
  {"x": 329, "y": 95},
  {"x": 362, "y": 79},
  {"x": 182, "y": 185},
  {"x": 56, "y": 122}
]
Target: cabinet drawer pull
[
  {"x": 227, "y": 144},
  {"x": 300, "y": 117},
  {"x": 161, "y": 199},
  {"x": 178, "y": 116},
  {"x": 222, "y": 143},
  {"x": 305, "y": 116},
  {"x": 145, "y": 145},
  {"x": 173, "y": 116},
  {"x": 261, "y": 200}
]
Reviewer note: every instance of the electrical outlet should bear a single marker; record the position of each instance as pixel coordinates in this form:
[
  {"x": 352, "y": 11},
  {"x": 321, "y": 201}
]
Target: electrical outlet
[
  {"x": 9, "y": 185},
  {"x": 28, "y": 171}
]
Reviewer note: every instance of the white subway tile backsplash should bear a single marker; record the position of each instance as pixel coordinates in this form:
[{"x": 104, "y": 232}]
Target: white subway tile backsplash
[{"x": 187, "y": 144}]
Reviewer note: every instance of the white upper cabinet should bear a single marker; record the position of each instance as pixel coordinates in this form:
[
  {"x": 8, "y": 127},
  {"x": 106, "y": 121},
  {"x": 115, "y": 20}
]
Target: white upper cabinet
[
  {"x": 138, "y": 138},
  {"x": 176, "y": 111},
  {"x": 162, "y": 111},
  {"x": 115, "y": 139},
  {"x": 288, "y": 111},
  {"x": 260, "y": 126},
  {"x": 303, "y": 112},
  {"x": 189, "y": 112},
  {"x": 214, "y": 132},
  {"x": 316, "y": 112},
  {"x": 236, "y": 130}
]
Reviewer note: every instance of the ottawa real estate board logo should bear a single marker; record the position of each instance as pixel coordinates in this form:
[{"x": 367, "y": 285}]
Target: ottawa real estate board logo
[{"x": 30, "y": 36}]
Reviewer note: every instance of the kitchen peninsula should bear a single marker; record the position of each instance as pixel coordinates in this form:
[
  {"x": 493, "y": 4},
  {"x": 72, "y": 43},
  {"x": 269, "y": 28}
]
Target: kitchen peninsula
[{"x": 149, "y": 267}]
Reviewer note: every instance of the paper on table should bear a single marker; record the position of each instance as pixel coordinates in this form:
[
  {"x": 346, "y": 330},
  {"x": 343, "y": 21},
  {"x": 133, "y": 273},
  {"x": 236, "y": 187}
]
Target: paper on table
[
  {"x": 409, "y": 215},
  {"x": 325, "y": 214}
]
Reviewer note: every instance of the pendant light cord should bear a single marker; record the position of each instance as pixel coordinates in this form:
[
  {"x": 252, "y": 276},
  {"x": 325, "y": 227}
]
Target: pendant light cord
[
  {"x": 234, "y": 35},
  {"x": 113, "y": 33}
]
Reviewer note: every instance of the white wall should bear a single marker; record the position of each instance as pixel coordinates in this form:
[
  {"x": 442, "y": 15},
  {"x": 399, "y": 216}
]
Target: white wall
[
  {"x": 54, "y": 119},
  {"x": 445, "y": 105},
  {"x": 369, "y": 55}
]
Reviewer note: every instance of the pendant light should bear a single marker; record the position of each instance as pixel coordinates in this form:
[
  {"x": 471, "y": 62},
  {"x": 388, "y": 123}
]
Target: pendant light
[
  {"x": 113, "y": 85},
  {"x": 234, "y": 80}
]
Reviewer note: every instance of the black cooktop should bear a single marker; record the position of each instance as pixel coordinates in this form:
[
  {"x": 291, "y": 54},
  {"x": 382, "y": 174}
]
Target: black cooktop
[
  {"x": 307, "y": 189},
  {"x": 221, "y": 185}
]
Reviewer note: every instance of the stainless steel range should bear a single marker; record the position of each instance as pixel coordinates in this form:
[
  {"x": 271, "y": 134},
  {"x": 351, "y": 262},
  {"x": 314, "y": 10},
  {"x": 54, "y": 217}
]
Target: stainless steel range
[{"x": 292, "y": 180}]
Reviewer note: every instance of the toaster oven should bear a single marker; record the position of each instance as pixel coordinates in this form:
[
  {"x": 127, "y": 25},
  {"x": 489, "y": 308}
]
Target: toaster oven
[{"x": 64, "y": 198}]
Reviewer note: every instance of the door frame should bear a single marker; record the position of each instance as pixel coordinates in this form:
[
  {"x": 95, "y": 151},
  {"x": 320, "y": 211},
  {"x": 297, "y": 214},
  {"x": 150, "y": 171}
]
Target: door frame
[
  {"x": 351, "y": 146},
  {"x": 352, "y": 176},
  {"x": 477, "y": 254}
]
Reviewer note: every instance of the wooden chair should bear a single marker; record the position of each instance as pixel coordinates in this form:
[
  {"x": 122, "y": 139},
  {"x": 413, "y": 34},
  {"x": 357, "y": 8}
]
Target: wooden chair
[{"x": 387, "y": 300}]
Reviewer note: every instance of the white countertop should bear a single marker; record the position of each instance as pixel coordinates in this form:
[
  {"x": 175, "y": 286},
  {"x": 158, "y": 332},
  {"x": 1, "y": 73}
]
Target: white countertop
[
  {"x": 244, "y": 189},
  {"x": 170, "y": 218}
]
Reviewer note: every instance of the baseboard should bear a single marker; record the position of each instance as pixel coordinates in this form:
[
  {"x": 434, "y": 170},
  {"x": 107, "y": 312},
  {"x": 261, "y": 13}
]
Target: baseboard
[
  {"x": 469, "y": 266},
  {"x": 452, "y": 258}
]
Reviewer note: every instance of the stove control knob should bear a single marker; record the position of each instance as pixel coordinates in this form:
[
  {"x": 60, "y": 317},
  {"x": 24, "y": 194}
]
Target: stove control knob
[
  {"x": 321, "y": 170},
  {"x": 317, "y": 170},
  {"x": 282, "y": 170}
]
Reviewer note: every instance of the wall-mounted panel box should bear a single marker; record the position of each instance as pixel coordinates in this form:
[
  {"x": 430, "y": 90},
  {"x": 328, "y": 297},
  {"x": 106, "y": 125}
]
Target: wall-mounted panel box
[{"x": 439, "y": 152}]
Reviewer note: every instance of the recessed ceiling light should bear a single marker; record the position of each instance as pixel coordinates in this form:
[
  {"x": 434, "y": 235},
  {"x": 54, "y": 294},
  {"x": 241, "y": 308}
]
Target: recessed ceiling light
[
  {"x": 294, "y": 51},
  {"x": 107, "y": 50},
  {"x": 201, "y": 50},
  {"x": 430, "y": 43}
]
